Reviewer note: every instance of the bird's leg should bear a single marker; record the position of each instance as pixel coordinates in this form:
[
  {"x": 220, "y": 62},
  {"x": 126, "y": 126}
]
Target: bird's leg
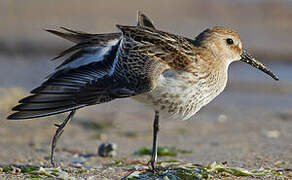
[
  {"x": 154, "y": 147},
  {"x": 58, "y": 133}
]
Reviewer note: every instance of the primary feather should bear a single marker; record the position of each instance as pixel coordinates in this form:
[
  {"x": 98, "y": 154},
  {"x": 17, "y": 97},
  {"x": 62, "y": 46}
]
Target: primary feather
[{"x": 86, "y": 77}]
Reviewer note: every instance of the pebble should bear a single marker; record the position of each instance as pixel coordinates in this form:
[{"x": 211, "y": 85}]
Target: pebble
[
  {"x": 272, "y": 133},
  {"x": 222, "y": 118},
  {"x": 107, "y": 150}
]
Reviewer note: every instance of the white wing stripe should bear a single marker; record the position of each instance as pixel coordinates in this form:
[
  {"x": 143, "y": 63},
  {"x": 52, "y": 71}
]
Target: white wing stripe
[
  {"x": 95, "y": 54},
  {"x": 116, "y": 59}
]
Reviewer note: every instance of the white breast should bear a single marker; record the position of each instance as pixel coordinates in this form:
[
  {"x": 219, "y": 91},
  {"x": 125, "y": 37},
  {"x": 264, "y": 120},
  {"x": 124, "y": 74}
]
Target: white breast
[{"x": 182, "y": 95}]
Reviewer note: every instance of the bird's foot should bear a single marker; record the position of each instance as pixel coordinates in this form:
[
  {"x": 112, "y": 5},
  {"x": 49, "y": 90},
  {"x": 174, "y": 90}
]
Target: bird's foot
[{"x": 152, "y": 166}]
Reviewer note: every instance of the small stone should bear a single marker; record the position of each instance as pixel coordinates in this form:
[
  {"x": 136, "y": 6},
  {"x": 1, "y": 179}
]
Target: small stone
[
  {"x": 222, "y": 118},
  {"x": 107, "y": 150},
  {"x": 272, "y": 134}
]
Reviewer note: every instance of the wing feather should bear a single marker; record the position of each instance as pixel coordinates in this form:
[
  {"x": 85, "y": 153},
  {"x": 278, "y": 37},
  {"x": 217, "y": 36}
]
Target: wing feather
[
  {"x": 144, "y": 21},
  {"x": 173, "y": 50},
  {"x": 46, "y": 98},
  {"x": 42, "y": 113},
  {"x": 70, "y": 88},
  {"x": 104, "y": 67}
]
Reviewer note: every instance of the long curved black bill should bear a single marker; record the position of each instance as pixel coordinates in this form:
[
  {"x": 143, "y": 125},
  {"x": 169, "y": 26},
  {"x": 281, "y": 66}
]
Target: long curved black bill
[{"x": 246, "y": 57}]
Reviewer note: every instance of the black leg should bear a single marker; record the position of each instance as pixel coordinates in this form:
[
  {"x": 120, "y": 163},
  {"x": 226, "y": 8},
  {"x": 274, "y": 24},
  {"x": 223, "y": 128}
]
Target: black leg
[
  {"x": 58, "y": 133},
  {"x": 154, "y": 147}
]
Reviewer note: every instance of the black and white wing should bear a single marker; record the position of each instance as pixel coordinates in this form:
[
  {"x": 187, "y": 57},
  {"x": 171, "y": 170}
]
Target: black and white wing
[
  {"x": 83, "y": 81},
  {"x": 94, "y": 74}
]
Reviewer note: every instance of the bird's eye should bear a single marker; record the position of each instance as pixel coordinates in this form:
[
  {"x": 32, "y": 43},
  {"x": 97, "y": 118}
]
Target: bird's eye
[{"x": 229, "y": 41}]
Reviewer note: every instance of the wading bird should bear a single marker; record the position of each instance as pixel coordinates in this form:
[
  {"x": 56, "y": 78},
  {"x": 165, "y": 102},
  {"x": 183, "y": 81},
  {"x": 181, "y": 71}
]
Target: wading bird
[{"x": 175, "y": 75}]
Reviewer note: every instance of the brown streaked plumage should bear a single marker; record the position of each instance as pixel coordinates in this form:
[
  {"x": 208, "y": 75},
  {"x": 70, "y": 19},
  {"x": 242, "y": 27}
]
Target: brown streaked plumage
[{"x": 173, "y": 74}]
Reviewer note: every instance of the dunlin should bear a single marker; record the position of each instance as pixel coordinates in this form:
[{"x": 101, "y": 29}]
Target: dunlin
[{"x": 175, "y": 75}]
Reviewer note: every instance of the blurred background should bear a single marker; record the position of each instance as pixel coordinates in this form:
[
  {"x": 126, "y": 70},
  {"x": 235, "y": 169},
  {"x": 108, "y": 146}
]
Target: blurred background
[
  {"x": 248, "y": 123},
  {"x": 265, "y": 25}
]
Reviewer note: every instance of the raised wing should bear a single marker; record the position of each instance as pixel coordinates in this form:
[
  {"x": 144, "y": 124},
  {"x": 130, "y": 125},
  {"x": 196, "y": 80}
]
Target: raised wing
[
  {"x": 71, "y": 87},
  {"x": 94, "y": 41},
  {"x": 94, "y": 74}
]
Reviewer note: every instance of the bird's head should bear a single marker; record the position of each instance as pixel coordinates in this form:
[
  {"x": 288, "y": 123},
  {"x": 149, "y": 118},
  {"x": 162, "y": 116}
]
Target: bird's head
[{"x": 225, "y": 45}]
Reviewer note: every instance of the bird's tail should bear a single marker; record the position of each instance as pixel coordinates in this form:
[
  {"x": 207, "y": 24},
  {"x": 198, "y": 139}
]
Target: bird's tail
[
  {"x": 80, "y": 36},
  {"x": 83, "y": 39}
]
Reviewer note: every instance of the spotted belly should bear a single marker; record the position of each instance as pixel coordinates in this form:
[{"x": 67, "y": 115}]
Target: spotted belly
[{"x": 179, "y": 98}]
